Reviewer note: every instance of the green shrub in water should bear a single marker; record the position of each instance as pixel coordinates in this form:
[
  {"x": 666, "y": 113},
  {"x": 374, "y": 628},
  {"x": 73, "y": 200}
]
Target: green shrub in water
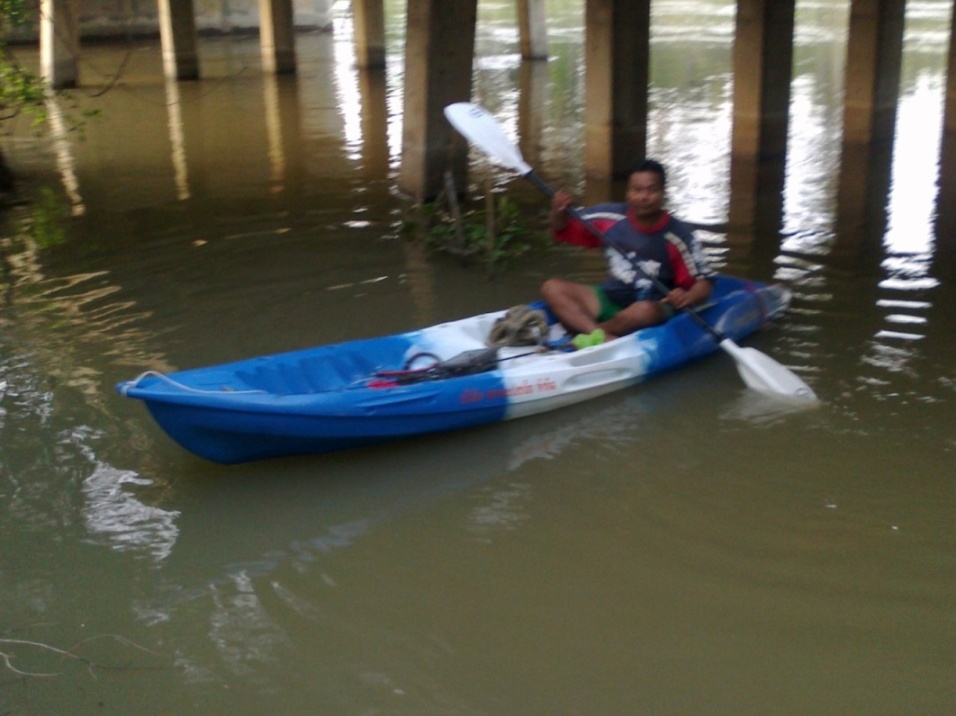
[{"x": 491, "y": 231}]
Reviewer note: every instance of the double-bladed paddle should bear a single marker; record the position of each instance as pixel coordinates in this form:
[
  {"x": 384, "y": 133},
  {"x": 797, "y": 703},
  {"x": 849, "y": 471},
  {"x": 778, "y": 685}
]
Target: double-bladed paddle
[{"x": 759, "y": 371}]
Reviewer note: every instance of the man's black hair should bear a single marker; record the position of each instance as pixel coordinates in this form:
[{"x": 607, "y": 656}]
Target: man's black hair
[{"x": 650, "y": 165}]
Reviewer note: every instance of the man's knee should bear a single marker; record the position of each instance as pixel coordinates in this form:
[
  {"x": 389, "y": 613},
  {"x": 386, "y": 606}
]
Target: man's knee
[
  {"x": 638, "y": 315},
  {"x": 554, "y": 287}
]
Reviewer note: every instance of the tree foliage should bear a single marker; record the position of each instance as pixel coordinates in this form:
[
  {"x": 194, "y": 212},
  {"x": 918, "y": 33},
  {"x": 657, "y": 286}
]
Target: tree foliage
[{"x": 20, "y": 89}]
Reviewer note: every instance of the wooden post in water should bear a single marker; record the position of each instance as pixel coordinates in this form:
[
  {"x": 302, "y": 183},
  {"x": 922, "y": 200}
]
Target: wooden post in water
[
  {"x": 438, "y": 65},
  {"x": 617, "y": 74},
  {"x": 874, "y": 58},
  {"x": 763, "y": 70},
  {"x": 277, "y": 36},
  {"x": 177, "y": 29},
  {"x": 369, "y": 19},
  {"x": 533, "y": 29},
  {"x": 59, "y": 42}
]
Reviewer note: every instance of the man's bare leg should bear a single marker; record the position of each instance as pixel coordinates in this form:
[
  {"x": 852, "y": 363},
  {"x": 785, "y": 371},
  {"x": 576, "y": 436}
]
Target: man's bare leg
[
  {"x": 575, "y": 305},
  {"x": 640, "y": 314}
]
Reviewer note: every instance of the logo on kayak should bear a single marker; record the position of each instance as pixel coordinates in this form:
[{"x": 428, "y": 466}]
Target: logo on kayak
[{"x": 523, "y": 389}]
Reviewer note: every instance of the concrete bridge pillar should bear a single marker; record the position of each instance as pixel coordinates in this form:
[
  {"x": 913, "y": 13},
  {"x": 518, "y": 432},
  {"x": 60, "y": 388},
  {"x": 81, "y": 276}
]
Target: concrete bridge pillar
[
  {"x": 277, "y": 36},
  {"x": 177, "y": 29},
  {"x": 949, "y": 120},
  {"x": 944, "y": 263},
  {"x": 763, "y": 72},
  {"x": 369, "y": 19},
  {"x": 533, "y": 27},
  {"x": 438, "y": 65},
  {"x": 944, "y": 254},
  {"x": 874, "y": 58},
  {"x": 532, "y": 109},
  {"x": 617, "y": 74},
  {"x": 863, "y": 190},
  {"x": 59, "y": 42}
]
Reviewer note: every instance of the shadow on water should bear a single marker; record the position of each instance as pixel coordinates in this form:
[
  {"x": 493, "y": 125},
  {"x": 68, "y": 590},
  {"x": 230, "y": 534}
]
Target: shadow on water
[{"x": 328, "y": 503}]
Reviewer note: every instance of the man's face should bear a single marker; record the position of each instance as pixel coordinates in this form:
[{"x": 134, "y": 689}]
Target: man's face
[{"x": 645, "y": 195}]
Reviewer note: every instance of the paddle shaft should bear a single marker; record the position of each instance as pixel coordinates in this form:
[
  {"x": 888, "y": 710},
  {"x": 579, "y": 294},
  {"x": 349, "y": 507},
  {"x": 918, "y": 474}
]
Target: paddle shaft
[{"x": 658, "y": 284}]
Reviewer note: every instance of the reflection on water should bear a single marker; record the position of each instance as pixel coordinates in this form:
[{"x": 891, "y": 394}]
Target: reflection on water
[
  {"x": 123, "y": 521},
  {"x": 64, "y": 155},
  {"x": 913, "y": 193},
  {"x": 365, "y": 499},
  {"x": 603, "y": 559}
]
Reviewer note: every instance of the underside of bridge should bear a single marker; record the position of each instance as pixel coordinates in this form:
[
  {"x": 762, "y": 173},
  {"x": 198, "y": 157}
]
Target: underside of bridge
[{"x": 438, "y": 59}]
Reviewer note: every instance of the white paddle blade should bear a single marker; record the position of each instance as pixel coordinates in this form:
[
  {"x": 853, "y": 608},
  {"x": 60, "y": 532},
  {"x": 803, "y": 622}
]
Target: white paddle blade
[
  {"x": 479, "y": 126},
  {"x": 762, "y": 373}
]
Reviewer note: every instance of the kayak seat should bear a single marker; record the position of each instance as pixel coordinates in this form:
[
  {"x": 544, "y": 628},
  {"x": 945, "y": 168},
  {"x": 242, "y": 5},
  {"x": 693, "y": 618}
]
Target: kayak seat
[{"x": 327, "y": 371}]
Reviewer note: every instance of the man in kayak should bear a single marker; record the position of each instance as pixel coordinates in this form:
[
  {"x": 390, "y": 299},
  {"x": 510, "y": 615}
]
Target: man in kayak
[{"x": 640, "y": 239}]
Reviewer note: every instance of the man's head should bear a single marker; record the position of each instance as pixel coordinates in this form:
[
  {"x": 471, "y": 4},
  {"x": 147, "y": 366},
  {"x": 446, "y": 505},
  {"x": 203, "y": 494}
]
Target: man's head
[
  {"x": 645, "y": 190},
  {"x": 650, "y": 166}
]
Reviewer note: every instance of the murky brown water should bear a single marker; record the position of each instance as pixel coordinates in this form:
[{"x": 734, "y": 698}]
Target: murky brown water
[{"x": 683, "y": 547}]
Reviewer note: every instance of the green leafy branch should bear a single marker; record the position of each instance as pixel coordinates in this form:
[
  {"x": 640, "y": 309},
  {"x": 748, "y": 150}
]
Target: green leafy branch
[
  {"x": 490, "y": 230},
  {"x": 20, "y": 89}
]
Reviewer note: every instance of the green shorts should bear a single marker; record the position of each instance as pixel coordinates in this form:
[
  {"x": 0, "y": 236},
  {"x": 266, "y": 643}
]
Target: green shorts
[{"x": 608, "y": 308}]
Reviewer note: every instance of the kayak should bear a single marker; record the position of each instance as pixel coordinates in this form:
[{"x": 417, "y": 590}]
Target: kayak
[{"x": 440, "y": 378}]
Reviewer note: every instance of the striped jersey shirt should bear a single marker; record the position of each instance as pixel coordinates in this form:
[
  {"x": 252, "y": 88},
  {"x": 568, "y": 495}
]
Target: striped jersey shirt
[{"x": 668, "y": 251}]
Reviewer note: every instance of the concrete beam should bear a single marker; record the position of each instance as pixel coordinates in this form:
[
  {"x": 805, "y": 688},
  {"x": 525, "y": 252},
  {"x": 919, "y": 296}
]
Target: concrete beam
[
  {"x": 177, "y": 29},
  {"x": 533, "y": 29},
  {"x": 874, "y": 58},
  {"x": 369, "y": 19},
  {"x": 438, "y": 67},
  {"x": 617, "y": 74},
  {"x": 59, "y": 43},
  {"x": 277, "y": 36}
]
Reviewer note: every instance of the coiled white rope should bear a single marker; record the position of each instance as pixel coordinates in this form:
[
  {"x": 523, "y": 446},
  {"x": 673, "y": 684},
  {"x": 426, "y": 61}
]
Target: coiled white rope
[{"x": 124, "y": 389}]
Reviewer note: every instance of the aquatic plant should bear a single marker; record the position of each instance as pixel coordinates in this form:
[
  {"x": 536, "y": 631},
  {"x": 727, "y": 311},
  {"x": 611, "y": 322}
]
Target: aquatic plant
[{"x": 492, "y": 229}]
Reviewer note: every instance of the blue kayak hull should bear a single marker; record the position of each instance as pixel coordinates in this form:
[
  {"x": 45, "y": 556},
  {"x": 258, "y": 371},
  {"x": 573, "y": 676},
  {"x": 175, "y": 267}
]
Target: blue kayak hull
[{"x": 343, "y": 396}]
